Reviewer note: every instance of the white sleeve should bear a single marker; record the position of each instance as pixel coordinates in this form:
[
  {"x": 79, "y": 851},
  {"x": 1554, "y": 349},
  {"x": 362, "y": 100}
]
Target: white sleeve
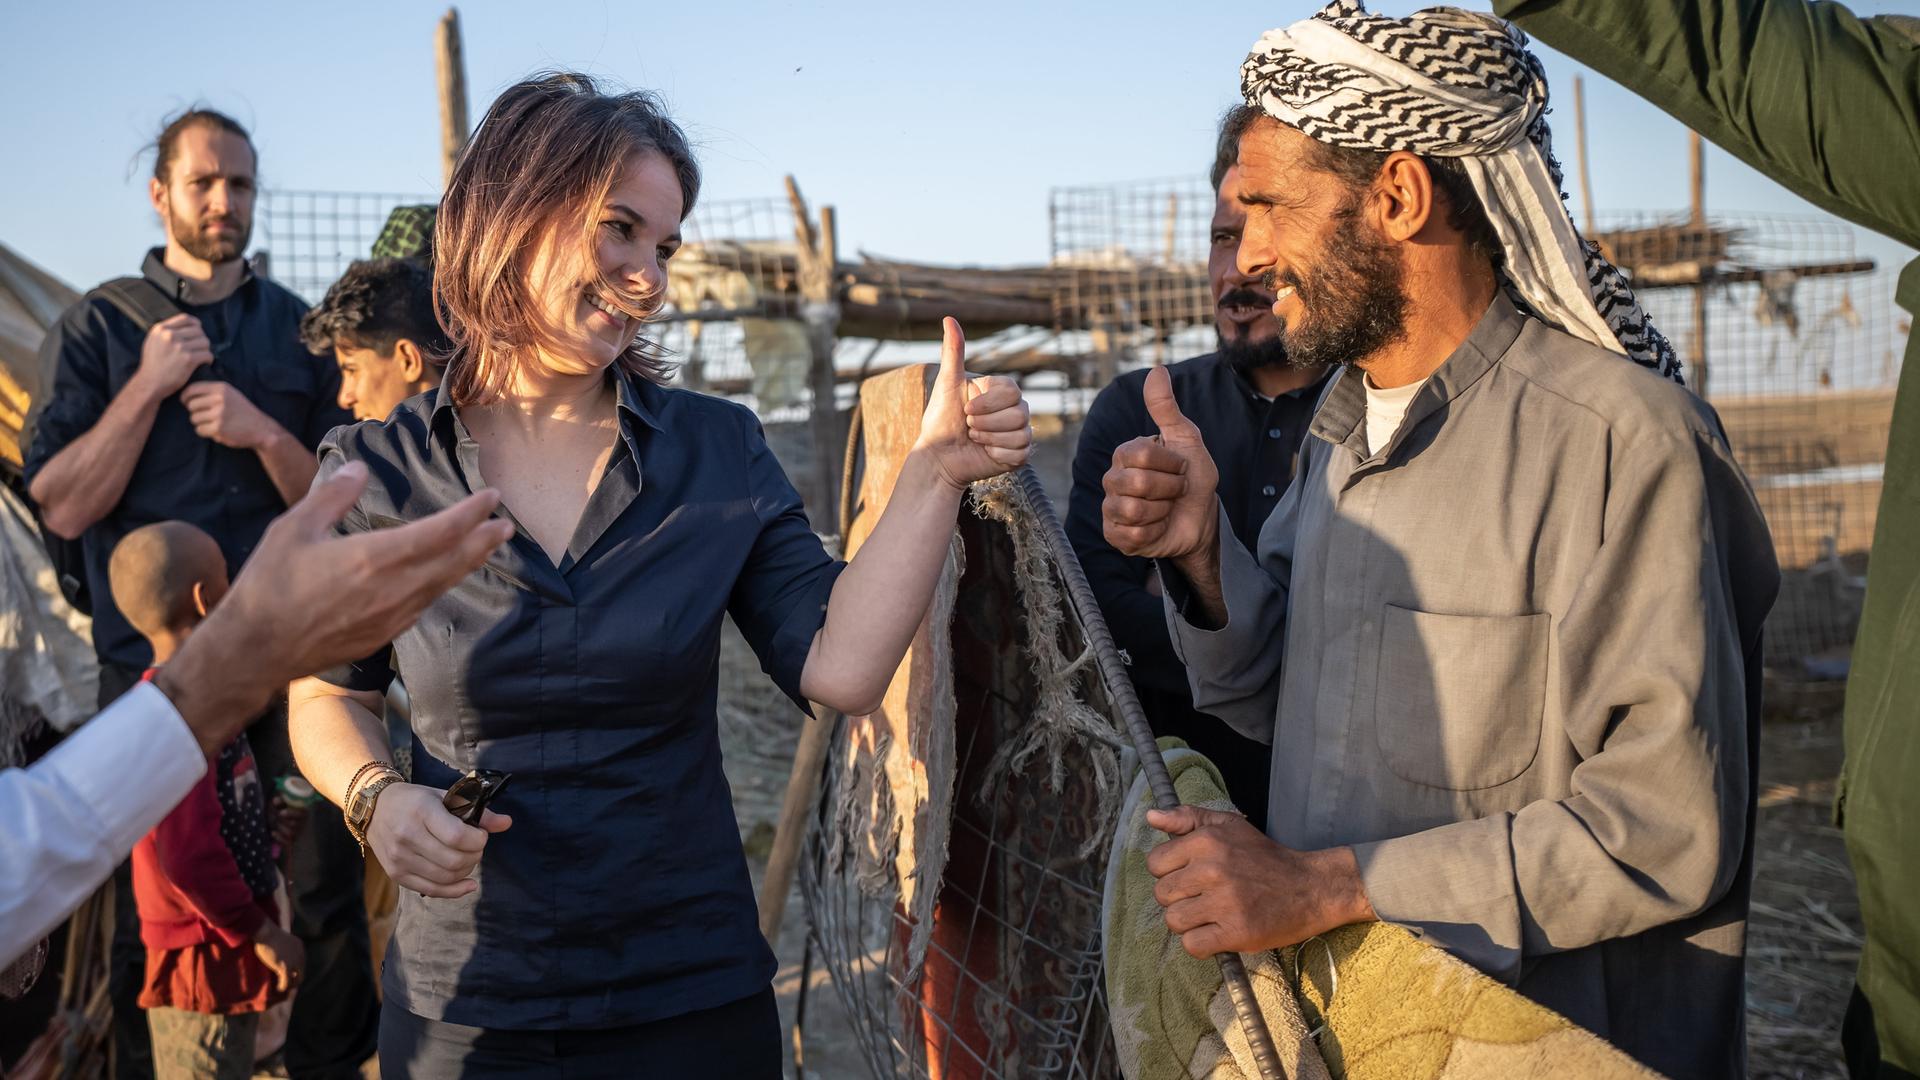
[{"x": 67, "y": 821}]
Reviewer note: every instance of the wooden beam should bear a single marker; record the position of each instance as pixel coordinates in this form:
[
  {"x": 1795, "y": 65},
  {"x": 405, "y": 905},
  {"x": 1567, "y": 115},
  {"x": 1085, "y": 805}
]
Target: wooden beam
[
  {"x": 802, "y": 221},
  {"x": 450, "y": 70},
  {"x": 1694, "y": 272},
  {"x": 816, "y": 251},
  {"x": 1023, "y": 362},
  {"x": 829, "y": 241},
  {"x": 1697, "y": 156},
  {"x": 1580, "y": 154},
  {"x": 1697, "y": 160},
  {"x": 876, "y": 302}
]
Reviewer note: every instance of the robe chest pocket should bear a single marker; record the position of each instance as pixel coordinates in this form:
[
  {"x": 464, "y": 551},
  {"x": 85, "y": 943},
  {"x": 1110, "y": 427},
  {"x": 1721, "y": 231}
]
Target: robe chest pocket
[{"x": 1460, "y": 698}]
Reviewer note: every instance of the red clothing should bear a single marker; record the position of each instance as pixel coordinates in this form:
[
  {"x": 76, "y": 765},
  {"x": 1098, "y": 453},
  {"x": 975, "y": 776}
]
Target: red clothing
[
  {"x": 203, "y": 880},
  {"x": 211, "y": 978}
]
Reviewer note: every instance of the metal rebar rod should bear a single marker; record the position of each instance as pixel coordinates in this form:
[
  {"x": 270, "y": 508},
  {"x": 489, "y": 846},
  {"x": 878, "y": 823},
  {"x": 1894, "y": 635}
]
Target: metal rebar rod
[{"x": 1119, "y": 687}]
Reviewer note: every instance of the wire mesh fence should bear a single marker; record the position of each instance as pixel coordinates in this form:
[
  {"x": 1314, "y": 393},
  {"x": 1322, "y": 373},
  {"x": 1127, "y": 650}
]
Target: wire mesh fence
[
  {"x": 311, "y": 236},
  {"x": 1791, "y": 335},
  {"x": 739, "y": 267},
  {"x": 1135, "y": 262},
  {"x": 732, "y": 319},
  {"x": 1011, "y": 983},
  {"x": 1796, "y": 341}
]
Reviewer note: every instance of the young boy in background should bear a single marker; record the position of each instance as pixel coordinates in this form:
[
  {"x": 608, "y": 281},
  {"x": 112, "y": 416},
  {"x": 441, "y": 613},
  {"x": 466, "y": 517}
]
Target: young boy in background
[
  {"x": 204, "y": 877},
  {"x": 378, "y": 322}
]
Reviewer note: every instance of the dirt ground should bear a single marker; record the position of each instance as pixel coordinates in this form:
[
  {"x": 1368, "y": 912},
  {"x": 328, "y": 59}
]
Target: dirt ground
[{"x": 1804, "y": 935}]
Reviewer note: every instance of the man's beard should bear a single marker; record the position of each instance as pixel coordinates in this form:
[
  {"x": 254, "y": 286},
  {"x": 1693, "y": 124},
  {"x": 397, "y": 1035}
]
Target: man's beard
[
  {"x": 1240, "y": 349},
  {"x": 1355, "y": 298},
  {"x": 194, "y": 241},
  {"x": 1250, "y": 356}
]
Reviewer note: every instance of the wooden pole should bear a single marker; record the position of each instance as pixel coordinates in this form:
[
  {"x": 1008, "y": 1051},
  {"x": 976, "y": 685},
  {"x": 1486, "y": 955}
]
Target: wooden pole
[
  {"x": 1697, "y": 153},
  {"x": 829, "y": 242},
  {"x": 450, "y": 69},
  {"x": 819, "y": 257},
  {"x": 823, "y": 334},
  {"x": 1580, "y": 154},
  {"x": 803, "y": 784},
  {"x": 802, "y": 220},
  {"x": 819, "y": 248}
]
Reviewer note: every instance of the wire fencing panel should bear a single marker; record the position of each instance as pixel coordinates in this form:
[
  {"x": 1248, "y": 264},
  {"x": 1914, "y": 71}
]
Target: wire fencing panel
[
  {"x": 739, "y": 266},
  {"x": 1796, "y": 341},
  {"x": 1793, "y": 338},
  {"x": 1011, "y": 984},
  {"x": 311, "y": 236},
  {"x": 1136, "y": 256}
]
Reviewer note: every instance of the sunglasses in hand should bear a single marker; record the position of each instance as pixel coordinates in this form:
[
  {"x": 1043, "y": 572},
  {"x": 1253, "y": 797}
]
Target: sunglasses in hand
[{"x": 468, "y": 797}]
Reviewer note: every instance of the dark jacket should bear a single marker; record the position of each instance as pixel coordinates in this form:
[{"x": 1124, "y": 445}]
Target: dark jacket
[
  {"x": 1254, "y": 441},
  {"x": 94, "y": 349}
]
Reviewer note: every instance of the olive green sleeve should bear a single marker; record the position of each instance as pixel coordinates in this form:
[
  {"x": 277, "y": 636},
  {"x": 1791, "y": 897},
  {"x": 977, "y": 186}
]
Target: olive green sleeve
[{"x": 1823, "y": 101}]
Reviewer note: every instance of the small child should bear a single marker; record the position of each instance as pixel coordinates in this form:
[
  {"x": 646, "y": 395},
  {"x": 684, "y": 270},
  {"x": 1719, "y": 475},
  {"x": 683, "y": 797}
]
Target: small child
[{"x": 204, "y": 878}]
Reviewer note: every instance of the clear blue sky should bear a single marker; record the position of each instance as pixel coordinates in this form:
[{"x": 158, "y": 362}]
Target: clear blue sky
[{"x": 935, "y": 129}]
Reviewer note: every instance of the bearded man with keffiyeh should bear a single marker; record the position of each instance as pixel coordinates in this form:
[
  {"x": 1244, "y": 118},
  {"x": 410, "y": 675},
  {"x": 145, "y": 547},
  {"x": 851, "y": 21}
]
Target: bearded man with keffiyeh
[{"x": 1504, "y": 630}]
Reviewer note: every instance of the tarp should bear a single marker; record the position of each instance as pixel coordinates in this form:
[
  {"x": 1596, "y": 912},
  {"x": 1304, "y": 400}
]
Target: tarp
[
  {"x": 47, "y": 668},
  {"x": 30, "y": 300}
]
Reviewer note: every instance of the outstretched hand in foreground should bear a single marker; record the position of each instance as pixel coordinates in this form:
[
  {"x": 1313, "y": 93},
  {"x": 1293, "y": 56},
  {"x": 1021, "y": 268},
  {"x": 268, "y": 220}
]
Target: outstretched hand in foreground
[{"x": 309, "y": 600}]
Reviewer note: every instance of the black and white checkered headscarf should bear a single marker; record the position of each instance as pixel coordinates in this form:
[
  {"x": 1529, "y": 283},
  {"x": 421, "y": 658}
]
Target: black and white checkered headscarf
[{"x": 1450, "y": 83}]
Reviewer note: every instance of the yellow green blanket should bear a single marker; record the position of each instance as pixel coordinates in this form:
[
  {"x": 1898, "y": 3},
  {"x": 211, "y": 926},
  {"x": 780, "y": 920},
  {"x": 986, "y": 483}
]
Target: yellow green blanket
[{"x": 1379, "y": 1003}]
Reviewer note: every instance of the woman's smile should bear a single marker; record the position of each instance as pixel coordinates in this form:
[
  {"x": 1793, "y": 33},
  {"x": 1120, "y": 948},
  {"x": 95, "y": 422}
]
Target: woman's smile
[{"x": 603, "y": 318}]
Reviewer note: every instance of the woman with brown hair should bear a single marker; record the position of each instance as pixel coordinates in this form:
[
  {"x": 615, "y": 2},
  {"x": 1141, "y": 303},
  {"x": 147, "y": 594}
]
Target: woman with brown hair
[{"x": 597, "y": 919}]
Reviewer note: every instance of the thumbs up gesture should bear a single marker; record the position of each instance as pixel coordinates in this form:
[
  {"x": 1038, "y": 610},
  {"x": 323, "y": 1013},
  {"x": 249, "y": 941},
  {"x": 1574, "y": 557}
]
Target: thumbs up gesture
[
  {"x": 974, "y": 428},
  {"x": 1160, "y": 491}
]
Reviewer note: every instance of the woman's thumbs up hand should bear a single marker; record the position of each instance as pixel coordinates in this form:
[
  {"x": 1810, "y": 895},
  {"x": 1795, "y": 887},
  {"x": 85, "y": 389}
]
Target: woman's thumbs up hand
[{"x": 974, "y": 428}]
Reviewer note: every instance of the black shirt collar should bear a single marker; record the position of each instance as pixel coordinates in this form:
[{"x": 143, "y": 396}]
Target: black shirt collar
[
  {"x": 1245, "y": 384},
  {"x": 156, "y": 270}
]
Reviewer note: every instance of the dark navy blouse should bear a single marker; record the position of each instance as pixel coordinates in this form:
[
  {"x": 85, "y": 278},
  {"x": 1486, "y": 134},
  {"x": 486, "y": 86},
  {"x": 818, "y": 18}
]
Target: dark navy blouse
[{"x": 620, "y": 894}]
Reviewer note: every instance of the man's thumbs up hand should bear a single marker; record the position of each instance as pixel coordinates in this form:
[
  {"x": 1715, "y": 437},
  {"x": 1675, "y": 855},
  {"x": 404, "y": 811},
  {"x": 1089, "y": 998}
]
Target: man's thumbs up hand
[
  {"x": 1160, "y": 491},
  {"x": 1174, "y": 426}
]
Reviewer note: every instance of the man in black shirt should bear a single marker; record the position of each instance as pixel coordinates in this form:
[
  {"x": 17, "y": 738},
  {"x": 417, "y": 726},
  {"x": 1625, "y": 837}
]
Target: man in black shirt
[
  {"x": 210, "y": 414},
  {"x": 1253, "y": 407},
  {"x": 186, "y": 394}
]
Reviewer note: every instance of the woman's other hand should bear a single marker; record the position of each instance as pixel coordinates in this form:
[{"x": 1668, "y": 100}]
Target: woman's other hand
[
  {"x": 973, "y": 428},
  {"x": 422, "y": 846}
]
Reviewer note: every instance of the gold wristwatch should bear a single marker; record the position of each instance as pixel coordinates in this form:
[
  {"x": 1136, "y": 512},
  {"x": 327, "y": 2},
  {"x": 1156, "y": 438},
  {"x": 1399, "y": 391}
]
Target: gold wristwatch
[{"x": 359, "y": 808}]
